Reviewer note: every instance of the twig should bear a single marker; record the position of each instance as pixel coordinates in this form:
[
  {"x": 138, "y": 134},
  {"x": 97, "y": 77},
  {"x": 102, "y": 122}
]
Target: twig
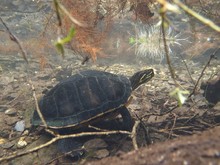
[
  {"x": 174, "y": 123},
  {"x": 202, "y": 73},
  {"x": 75, "y": 21},
  {"x": 59, "y": 137},
  {"x": 160, "y": 114},
  {"x": 197, "y": 16},
  {"x": 166, "y": 48},
  {"x": 205, "y": 123},
  {"x": 179, "y": 128},
  {"x": 37, "y": 105},
  {"x": 163, "y": 131},
  {"x": 184, "y": 62},
  {"x": 60, "y": 156},
  {"x": 59, "y": 30},
  {"x": 134, "y": 134},
  {"x": 146, "y": 130},
  {"x": 56, "y": 4},
  {"x": 16, "y": 40},
  {"x": 191, "y": 118},
  {"x": 96, "y": 128}
]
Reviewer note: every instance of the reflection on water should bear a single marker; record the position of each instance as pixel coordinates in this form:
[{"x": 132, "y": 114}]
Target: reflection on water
[{"x": 128, "y": 41}]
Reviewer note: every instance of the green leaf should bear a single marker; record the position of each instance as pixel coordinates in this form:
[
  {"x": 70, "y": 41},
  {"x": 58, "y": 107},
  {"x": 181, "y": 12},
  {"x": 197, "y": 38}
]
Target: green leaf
[
  {"x": 60, "y": 48},
  {"x": 131, "y": 40},
  {"x": 60, "y": 42},
  {"x": 69, "y": 37},
  {"x": 180, "y": 95}
]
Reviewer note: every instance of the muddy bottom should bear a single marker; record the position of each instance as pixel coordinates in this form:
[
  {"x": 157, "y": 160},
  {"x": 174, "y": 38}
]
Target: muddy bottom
[{"x": 165, "y": 134}]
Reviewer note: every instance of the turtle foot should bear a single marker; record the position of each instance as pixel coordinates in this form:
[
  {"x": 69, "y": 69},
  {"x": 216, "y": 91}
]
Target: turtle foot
[{"x": 71, "y": 148}]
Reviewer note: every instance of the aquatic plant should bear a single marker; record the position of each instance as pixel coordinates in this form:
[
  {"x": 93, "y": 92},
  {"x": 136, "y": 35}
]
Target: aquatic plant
[{"x": 148, "y": 42}]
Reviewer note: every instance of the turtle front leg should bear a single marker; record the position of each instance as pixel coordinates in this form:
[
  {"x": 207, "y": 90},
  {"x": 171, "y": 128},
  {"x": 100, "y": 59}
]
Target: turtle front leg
[
  {"x": 127, "y": 123},
  {"x": 109, "y": 122},
  {"x": 71, "y": 147}
]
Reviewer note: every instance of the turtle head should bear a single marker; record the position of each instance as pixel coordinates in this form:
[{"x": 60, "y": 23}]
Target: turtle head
[{"x": 141, "y": 77}]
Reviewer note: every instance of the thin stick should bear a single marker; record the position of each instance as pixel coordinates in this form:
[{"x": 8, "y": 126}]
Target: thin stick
[
  {"x": 37, "y": 106},
  {"x": 75, "y": 21},
  {"x": 146, "y": 130},
  {"x": 202, "y": 73},
  {"x": 174, "y": 123},
  {"x": 134, "y": 134},
  {"x": 166, "y": 49},
  {"x": 161, "y": 114},
  {"x": 16, "y": 40},
  {"x": 187, "y": 68},
  {"x": 59, "y": 137},
  {"x": 96, "y": 128},
  {"x": 197, "y": 16}
]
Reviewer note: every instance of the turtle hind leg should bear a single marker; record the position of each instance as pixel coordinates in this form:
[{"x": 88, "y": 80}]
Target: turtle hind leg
[
  {"x": 127, "y": 123},
  {"x": 71, "y": 147}
]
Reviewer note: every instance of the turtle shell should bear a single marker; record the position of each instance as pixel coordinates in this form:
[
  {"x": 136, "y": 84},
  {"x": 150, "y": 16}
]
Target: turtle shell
[{"x": 83, "y": 97}]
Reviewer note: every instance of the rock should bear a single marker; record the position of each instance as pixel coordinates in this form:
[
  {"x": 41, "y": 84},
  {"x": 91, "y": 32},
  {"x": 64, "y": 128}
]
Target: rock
[
  {"x": 11, "y": 120},
  {"x": 7, "y": 145},
  {"x": 96, "y": 148},
  {"x": 2, "y": 141},
  {"x": 101, "y": 153},
  {"x": 212, "y": 90},
  {"x": 11, "y": 112},
  {"x": 20, "y": 126},
  {"x": 25, "y": 133},
  {"x": 21, "y": 143},
  {"x": 95, "y": 144},
  {"x": 8, "y": 79},
  {"x": 134, "y": 106},
  {"x": 5, "y": 132},
  {"x": 3, "y": 108},
  {"x": 43, "y": 76},
  {"x": 217, "y": 106},
  {"x": 2, "y": 152},
  {"x": 10, "y": 96}
]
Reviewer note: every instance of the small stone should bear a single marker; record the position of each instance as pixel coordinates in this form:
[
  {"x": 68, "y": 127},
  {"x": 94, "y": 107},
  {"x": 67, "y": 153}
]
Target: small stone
[
  {"x": 101, "y": 153},
  {"x": 7, "y": 145},
  {"x": 21, "y": 143},
  {"x": 53, "y": 80},
  {"x": 20, "y": 126},
  {"x": 3, "y": 108},
  {"x": 5, "y": 132},
  {"x": 2, "y": 152},
  {"x": 95, "y": 144},
  {"x": 26, "y": 132},
  {"x": 11, "y": 111},
  {"x": 43, "y": 76},
  {"x": 30, "y": 139},
  {"x": 212, "y": 152},
  {"x": 217, "y": 106},
  {"x": 134, "y": 106},
  {"x": 2, "y": 141},
  {"x": 11, "y": 120},
  {"x": 59, "y": 68},
  {"x": 16, "y": 3}
]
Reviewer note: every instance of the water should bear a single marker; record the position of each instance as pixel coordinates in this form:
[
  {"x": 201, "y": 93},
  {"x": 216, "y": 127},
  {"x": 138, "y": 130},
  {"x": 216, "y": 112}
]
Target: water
[{"x": 129, "y": 46}]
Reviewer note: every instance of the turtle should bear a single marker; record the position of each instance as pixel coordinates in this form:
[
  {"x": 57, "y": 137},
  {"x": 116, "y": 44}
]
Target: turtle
[{"x": 88, "y": 97}]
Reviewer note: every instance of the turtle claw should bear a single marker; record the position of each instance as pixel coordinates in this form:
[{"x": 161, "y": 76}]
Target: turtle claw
[
  {"x": 76, "y": 155},
  {"x": 71, "y": 148}
]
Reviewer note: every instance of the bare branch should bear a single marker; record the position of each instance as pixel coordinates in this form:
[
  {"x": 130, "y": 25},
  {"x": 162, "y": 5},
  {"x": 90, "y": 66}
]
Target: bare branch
[{"x": 16, "y": 40}]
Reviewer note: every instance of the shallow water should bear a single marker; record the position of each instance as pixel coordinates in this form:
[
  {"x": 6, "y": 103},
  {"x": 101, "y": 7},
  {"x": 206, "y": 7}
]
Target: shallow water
[{"x": 129, "y": 47}]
